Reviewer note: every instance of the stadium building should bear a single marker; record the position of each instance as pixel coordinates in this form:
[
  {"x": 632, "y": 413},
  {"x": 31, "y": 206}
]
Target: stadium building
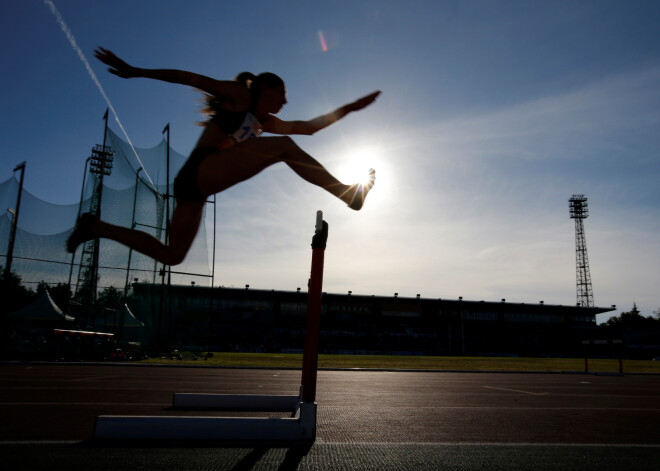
[{"x": 232, "y": 319}]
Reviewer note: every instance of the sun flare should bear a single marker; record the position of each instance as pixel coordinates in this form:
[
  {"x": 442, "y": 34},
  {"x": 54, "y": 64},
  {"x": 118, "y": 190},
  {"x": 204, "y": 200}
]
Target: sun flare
[{"x": 355, "y": 168}]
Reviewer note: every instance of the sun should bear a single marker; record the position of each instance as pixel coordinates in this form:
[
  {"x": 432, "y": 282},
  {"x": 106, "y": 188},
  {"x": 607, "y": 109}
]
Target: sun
[
  {"x": 356, "y": 165},
  {"x": 354, "y": 168}
]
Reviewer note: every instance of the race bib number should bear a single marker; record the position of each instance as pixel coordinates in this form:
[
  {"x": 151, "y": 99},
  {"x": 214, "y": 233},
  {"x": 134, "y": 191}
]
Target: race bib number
[{"x": 249, "y": 128}]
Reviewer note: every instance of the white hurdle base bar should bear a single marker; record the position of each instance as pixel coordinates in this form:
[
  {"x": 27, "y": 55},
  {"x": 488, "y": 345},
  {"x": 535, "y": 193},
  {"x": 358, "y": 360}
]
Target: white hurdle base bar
[
  {"x": 301, "y": 427},
  {"x": 235, "y": 402}
]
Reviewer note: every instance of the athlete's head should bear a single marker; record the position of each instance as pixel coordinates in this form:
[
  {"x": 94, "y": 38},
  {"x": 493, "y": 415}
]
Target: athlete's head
[
  {"x": 256, "y": 82},
  {"x": 267, "y": 89}
]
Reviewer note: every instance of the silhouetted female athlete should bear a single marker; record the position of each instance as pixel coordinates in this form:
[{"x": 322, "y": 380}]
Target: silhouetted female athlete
[{"x": 229, "y": 151}]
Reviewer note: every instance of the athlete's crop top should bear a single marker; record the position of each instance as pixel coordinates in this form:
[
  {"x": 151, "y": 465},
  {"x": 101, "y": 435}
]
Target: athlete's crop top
[{"x": 239, "y": 125}]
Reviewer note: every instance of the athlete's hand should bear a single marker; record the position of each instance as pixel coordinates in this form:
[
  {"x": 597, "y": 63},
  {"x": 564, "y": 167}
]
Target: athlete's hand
[
  {"x": 363, "y": 102},
  {"x": 117, "y": 66}
]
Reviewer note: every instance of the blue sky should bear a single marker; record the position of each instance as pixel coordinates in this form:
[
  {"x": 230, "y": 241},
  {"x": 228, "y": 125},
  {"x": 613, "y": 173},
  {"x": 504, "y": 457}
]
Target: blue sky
[{"x": 492, "y": 115}]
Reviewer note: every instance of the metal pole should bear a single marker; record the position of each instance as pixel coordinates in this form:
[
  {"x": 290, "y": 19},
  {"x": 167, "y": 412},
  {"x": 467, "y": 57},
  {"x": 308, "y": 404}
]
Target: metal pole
[
  {"x": 130, "y": 250},
  {"x": 215, "y": 213},
  {"x": 130, "y": 255},
  {"x": 14, "y": 222},
  {"x": 82, "y": 196},
  {"x": 167, "y": 237},
  {"x": 313, "y": 318},
  {"x": 167, "y": 184},
  {"x": 94, "y": 275}
]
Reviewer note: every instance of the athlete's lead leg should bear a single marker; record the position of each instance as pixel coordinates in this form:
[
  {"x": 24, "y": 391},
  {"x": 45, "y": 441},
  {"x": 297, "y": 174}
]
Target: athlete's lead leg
[{"x": 242, "y": 161}]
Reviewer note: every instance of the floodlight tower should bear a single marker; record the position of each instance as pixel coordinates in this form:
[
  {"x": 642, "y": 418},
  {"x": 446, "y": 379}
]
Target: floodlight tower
[
  {"x": 100, "y": 165},
  {"x": 579, "y": 210}
]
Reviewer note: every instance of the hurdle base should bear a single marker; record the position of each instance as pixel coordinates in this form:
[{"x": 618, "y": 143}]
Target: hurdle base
[
  {"x": 300, "y": 427},
  {"x": 239, "y": 402}
]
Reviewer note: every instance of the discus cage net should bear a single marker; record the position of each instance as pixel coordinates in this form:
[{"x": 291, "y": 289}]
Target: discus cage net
[{"x": 132, "y": 196}]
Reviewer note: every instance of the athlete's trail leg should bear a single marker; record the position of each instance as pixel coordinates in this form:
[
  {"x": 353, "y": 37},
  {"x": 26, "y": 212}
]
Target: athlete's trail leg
[{"x": 185, "y": 222}]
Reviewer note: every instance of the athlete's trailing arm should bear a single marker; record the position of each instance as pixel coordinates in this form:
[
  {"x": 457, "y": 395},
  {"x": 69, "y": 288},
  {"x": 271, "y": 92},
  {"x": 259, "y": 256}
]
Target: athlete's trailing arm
[{"x": 230, "y": 90}]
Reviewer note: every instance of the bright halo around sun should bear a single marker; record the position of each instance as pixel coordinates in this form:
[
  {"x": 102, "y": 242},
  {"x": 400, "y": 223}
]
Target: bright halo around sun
[{"x": 356, "y": 165}]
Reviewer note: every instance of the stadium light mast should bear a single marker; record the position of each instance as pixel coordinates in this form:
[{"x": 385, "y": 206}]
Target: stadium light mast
[
  {"x": 579, "y": 211},
  {"x": 100, "y": 164}
]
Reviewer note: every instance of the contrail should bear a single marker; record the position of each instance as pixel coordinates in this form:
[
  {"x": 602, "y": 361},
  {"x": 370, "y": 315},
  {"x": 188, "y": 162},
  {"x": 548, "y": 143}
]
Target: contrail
[{"x": 75, "y": 47}]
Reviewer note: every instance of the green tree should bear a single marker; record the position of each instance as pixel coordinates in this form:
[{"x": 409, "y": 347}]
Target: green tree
[
  {"x": 633, "y": 320},
  {"x": 110, "y": 297},
  {"x": 12, "y": 292}
]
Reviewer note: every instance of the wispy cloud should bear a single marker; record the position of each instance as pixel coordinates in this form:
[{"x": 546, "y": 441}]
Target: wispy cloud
[{"x": 605, "y": 116}]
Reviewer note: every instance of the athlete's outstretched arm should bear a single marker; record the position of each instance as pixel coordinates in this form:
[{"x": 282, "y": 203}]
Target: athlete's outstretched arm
[
  {"x": 118, "y": 67},
  {"x": 275, "y": 125}
]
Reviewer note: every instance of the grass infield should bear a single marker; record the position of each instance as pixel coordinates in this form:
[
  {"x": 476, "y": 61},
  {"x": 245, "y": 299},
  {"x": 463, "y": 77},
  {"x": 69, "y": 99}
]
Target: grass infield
[{"x": 282, "y": 360}]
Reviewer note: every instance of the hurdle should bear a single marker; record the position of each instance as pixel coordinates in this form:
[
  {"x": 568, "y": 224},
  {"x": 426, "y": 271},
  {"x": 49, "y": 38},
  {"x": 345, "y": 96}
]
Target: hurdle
[{"x": 299, "y": 427}]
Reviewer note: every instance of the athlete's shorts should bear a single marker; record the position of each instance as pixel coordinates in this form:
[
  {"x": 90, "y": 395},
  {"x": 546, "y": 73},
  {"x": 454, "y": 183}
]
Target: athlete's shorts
[{"x": 185, "y": 183}]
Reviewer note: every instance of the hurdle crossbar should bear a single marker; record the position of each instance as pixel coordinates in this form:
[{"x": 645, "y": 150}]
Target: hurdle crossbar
[{"x": 300, "y": 426}]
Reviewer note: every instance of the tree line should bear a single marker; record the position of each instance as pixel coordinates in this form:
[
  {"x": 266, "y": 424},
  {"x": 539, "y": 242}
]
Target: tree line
[
  {"x": 15, "y": 295},
  {"x": 633, "y": 320}
]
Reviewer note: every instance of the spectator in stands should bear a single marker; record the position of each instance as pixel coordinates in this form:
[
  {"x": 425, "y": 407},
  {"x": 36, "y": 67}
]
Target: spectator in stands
[{"x": 229, "y": 151}]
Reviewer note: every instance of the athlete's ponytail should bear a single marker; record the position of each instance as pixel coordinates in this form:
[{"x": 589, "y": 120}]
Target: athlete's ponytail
[
  {"x": 245, "y": 79},
  {"x": 255, "y": 82},
  {"x": 252, "y": 82}
]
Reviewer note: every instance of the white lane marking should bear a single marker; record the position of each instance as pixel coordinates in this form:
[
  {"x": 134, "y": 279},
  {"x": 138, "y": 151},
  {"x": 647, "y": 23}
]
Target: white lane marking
[
  {"x": 321, "y": 442},
  {"x": 413, "y": 408},
  {"x": 86, "y": 404},
  {"x": 38, "y": 442},
  {"x": 517, "y": 390}
]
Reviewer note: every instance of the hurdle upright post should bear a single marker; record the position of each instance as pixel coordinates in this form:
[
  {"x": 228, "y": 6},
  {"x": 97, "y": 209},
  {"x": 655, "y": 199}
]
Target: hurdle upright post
[{"x": 313, "y": 317}]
